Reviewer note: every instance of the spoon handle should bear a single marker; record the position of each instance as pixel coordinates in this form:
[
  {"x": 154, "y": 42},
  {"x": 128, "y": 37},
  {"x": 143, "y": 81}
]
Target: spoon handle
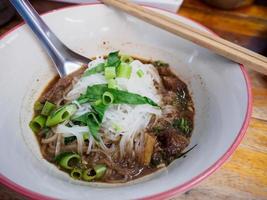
[{"x": 66, "y": 61}]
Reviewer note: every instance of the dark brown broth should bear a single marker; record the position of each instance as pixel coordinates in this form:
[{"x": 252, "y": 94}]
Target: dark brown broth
[{"x": 182, "y": 100}]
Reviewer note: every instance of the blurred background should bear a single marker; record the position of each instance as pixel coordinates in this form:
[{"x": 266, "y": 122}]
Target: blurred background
[{"x": 241, "y": 21}]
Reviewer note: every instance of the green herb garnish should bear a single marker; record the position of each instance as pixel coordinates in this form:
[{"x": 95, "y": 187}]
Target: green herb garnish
[
  {"x": 105, "y": 96},
  {"x": 183, "y": 125},
  {"x": 96, "y": 92},
  {"x": 113, "y": 59},
  {"x": 93, "y": 119}
]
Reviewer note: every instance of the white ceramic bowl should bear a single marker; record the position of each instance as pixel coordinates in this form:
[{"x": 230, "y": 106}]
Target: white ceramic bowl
[{"x": 220, "y": 89}]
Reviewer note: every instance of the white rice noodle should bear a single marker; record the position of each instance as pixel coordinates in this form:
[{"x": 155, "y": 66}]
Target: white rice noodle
[
  {"x": 105, "y": 153},
  {"x": 90, "y": 145},
  {"x": 77, "y": 104},
  {"x": 95, "y": 62},
  {"x": 82, "y": 84},
  {"x": 76, "y": 131},
  {"x": 48, "y": 140},
  {"x": 131, "y": 120},
  {"x": 103, "y": 146},
  {"x": 58, "y": 144},
  {"x": 84, "y": 108},
  {"x": 142, "y": 85}
]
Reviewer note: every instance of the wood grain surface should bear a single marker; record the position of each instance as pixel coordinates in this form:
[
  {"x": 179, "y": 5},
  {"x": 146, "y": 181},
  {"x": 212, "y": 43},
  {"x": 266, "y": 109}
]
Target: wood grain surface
[
  {"x": 211, "y": 42},
  {"x": 244, "y": 175}
]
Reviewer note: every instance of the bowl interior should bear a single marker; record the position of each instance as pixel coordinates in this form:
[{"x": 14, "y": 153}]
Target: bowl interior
[{"x": 218, "y": 88}]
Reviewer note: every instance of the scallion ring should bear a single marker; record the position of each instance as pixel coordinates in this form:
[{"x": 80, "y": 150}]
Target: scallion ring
[
  {"x": 110, "y": 73},
  {"x": 96, "y": 173},
  {"x": 100, "y": 170},
  {"x": 61, "y": 115},
  {"x": 69, "y": 160},
  {"x": 76, "y": 173},
  {"x": 88, "y": 174},
  {"x": 38, "y": 106},
  {"x": 86, "y": 136},
  {"x": 124, "y": 71},
  {"x": 107, "y": 98},
  {"x": 48, "y": 108},
  {"x": 37, "y": 123},
  {"x": 112, "y": 83}
]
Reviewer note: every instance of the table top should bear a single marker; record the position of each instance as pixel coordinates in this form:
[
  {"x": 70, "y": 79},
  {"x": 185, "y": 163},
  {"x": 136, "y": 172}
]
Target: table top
[{"x": 244, "y": 175}]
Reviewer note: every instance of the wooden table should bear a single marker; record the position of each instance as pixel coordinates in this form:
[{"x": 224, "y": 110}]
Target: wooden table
[{"x": 244, "y": 176}]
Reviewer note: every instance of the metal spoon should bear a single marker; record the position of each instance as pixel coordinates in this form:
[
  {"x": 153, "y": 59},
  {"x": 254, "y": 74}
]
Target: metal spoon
[{"x": 66, "y": 61}]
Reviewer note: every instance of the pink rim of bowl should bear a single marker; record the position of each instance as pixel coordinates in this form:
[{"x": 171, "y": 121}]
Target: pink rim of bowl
[{"x": 174, "y": 191}]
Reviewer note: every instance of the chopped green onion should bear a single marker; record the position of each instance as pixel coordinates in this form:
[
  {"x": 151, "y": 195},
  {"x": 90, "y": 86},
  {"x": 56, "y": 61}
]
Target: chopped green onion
[
  {"x": 69, "y": 160},
  {"x": 140, "y": 73},
  {"x": 96, "y": 173},
  {"x": 88, "y": 175},
  {"x": 48, "y": 108},
  {"x": 124, "y": 71},
  {"x": 38, "y": 106},
  {"x": 112, "y": 83},
  {"x": 76, "y": 173},
  {"x": 96, "y": 92},
  {"x": 100, "y": 170},
  {"x": 37, "y": 123},
  {"x": 107, "y": 98},
  {"x": 126, "y": 59},
  {"x": 99, "y": 68},
  {"x": 61, "y": 115},
  {"x": 86, "y": 136},
  {"x": 110, "y": 73}
]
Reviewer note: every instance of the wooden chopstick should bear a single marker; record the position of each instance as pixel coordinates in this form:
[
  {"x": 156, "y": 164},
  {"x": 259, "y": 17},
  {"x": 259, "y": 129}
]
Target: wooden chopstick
[{"x": 214, "y": 43}]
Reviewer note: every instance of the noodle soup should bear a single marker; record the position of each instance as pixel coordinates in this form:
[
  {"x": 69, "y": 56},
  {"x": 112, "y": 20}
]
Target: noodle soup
[{"x": 116, "y": 120}]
